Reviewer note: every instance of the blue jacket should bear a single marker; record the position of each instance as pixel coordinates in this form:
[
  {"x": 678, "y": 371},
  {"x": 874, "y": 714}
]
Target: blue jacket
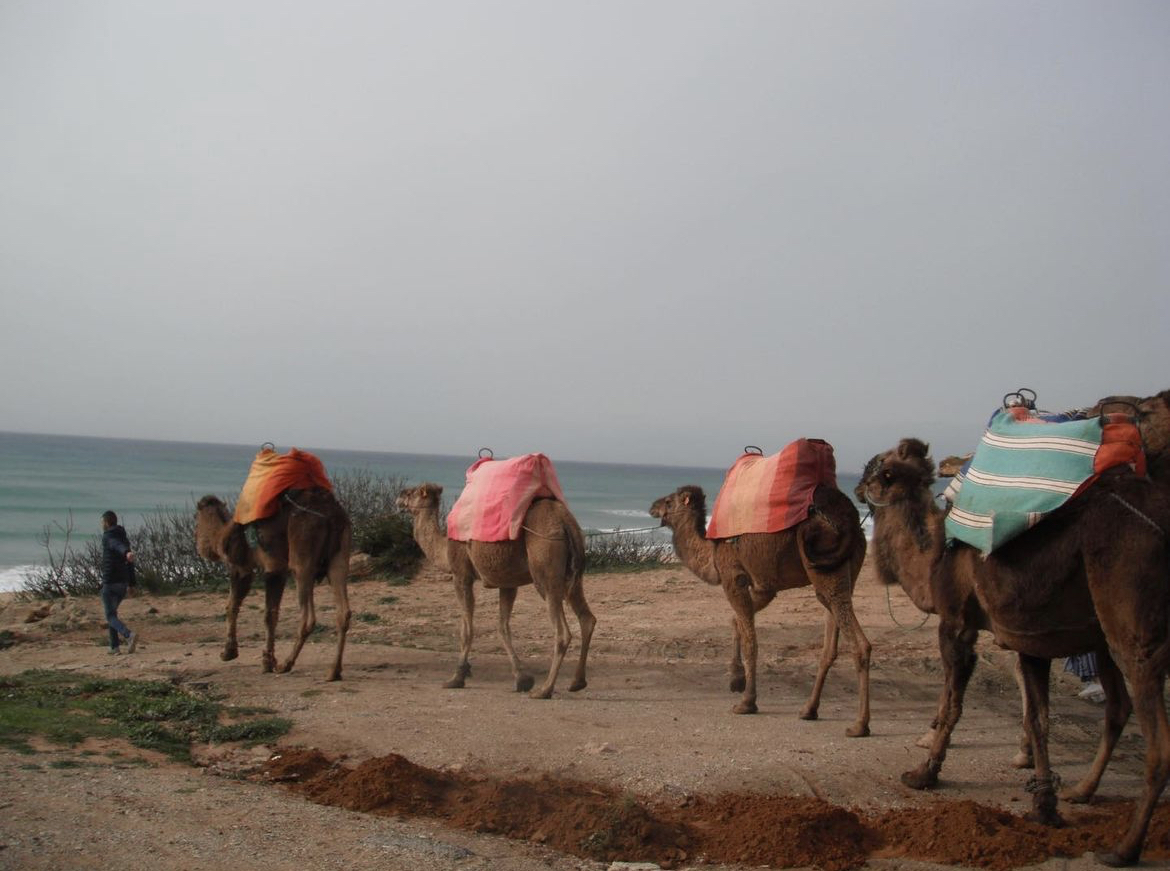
[{"x": 115, "y": 568}]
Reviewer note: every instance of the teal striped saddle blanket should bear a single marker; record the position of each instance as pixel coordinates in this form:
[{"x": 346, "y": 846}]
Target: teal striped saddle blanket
[{"x": 1026, "y": 466}]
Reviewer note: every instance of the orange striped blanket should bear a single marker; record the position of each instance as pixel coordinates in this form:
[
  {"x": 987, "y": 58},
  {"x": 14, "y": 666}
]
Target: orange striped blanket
[
  {"x": 768, "y": 494},
  {"x": 497, "y": 495},
  {"x": 271, "y": 474}
]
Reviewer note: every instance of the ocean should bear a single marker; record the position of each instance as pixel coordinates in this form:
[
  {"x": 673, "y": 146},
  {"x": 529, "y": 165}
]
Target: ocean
[{"x": 47, "y": 479}]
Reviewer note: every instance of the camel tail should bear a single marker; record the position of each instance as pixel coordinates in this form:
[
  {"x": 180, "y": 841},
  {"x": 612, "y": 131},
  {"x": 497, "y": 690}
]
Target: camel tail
[{"x": 830, "y": 534}]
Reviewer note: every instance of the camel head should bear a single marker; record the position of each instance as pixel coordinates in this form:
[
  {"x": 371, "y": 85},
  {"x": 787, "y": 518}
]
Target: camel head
[
  {"x": 211, "y": 517},
  {"x": 420, "y": 498},
  {"x": 901, "y": 474},
  {"x": 684, "y": 504}
]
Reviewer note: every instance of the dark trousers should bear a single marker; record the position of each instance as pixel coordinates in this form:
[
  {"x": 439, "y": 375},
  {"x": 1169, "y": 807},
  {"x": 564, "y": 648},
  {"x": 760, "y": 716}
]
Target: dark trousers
[{"x": 112, "y": 596}]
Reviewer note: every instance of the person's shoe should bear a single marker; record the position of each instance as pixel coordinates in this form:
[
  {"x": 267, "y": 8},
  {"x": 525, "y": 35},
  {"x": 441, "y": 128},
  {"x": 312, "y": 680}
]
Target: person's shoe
[
  {"x": 1092, "y": 693},
  {"x": 133, "y": 642},
  {"x": 114, "y": 651}
]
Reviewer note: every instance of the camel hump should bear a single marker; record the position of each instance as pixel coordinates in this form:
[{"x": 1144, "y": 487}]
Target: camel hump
[{"x": 832, "y": 528}]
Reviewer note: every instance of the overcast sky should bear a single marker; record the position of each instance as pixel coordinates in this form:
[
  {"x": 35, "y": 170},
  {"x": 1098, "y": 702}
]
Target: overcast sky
[{"x": 618, "y": 231}]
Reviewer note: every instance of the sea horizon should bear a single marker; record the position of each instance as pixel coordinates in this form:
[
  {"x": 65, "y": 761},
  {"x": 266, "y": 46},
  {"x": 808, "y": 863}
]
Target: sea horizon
[{"x": 48, "y": 478}]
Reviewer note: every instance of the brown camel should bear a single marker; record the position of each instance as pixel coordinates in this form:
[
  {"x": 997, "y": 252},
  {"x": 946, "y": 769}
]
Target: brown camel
[
  {"x": 826, "y": 550},
  {"x": 550, "y": 555},
  {"x": 1092, "y": 576},
  {"x": 917, "y": 589},
  {"x": 310, "y": 536},
  {"x": 1153, "y": 421}
]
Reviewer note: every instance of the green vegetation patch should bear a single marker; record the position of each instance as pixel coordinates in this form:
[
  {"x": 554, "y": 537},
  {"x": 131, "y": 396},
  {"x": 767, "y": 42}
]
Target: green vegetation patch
[{"x": 67, "y": 708}]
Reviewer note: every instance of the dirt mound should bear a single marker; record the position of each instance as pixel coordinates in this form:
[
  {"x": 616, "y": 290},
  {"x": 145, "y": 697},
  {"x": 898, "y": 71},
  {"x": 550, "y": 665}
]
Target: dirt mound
[{"x": 598, "y": 822}]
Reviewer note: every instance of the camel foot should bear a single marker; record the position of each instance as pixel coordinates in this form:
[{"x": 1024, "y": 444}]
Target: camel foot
[
  {"x": 229, "y": 653},
  {"x": 336, "y": 675},
  {"x": 455, "y": 683},
  {"x": 921, "y": 777},
  {"x": 1023, "y": 759},
  {"x": 541, "y": 693},
  {"x": 745, "y": 708},
  {"x": 285, "y": 669},
  {"x": 268, "y": 664},
  {"x": 524, "y": 683},
  {"x": 1114, "y": 860},
  {"x": 737, "y": 684},
  {"x": 808, "y": 714},
  {"x": 578, "y": 685},
  {"x": 1045, "y": 817},
  {"x": 1076, "y": 795},
  {"x": 860, "y": 730},
  {"x": 926, "y": 741}
]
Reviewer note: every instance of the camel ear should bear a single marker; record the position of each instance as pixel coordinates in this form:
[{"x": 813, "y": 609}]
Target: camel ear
[
  {"x": 686, "y": 499},
  {"x": 908, "y": 448}
]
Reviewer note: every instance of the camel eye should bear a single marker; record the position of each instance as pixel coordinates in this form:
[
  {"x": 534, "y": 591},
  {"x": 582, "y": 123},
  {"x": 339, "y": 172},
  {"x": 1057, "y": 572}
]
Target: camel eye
[{"x": 887, "y": 477}]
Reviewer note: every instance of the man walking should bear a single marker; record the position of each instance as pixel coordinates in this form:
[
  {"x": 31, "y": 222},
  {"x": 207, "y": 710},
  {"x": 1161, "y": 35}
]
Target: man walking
[{"x": 117, "y": 579}]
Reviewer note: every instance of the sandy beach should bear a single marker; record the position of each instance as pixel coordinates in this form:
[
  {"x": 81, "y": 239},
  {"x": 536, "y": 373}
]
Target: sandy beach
[{"x": 654, "y": 723}]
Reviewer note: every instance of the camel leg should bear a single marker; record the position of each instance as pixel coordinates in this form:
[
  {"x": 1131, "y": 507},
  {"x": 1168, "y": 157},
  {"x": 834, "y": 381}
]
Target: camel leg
[
  {"x": 338, "y": 581},
  {"x": 1148, "y": 682},
  {"x": 829, "y": 641},
  {"x": 274, "y": 583},
  {"x": 308, "y": 615},
  {"x": 465, "y": 593},
  {"x": 586, "y": 621},
  {"x": 1042, "y": 785},
  {"x": 1118, "y": 707},
  {"x": 241, "y": 583},
  {"x": 1023, "y": 757},
  {"x": 523, "y": 681},
  {"x": 564, "y": 635},
  {"x": 738, "y": 595},
  {"x": 844, "y": 617},
  {"x": 737, "y": 681},
  {"x": 956, "y": 646}
]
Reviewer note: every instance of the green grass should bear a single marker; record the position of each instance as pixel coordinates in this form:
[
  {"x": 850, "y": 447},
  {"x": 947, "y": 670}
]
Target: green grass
[
  {"x": 66, "y": 708},
  {"x": 387, "y": 600},
  {"x": 367, "y": 617}
]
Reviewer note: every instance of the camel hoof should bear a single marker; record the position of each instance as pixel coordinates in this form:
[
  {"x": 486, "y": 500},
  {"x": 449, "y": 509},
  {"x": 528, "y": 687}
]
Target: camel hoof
[
  {"x": 334, "y": 676},
  {"x": 229, "y": 653},
  {"x": 858, "y": 731},
  {"x": 268, "y": 666},
  {"x": 1113, "y": 860},
  {"x": 524, "y": 683},
  {"x": 926, "y": 741},
  {"x": 745, "y": 708},
  {"x": 578, "y": 685},
  {"x": 919, "y": 778},
  {"x": 808, "y": 714},
  {"x": 455, "y": 683},
  {"x": 737, "y": 684},
  {"x": 541, "y": 694},
  {"x": 1045, "y": 817},
  {"x": 1023, "y": 760},
  {"x": 1076, "y": 796}
]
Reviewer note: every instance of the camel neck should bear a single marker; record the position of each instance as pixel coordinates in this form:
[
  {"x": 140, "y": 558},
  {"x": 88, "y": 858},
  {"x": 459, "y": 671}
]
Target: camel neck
[
  {"x": 431, "y": 537},
  {"x": 908, "y": 543},
  {"x": 696, "y": 550}
]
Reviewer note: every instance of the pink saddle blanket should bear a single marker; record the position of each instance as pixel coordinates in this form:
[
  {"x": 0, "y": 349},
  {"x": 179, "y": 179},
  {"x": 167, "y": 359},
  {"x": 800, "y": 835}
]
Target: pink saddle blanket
[
  {"x": 768, "y": 494},
  {"x": 497, "y": 496}
]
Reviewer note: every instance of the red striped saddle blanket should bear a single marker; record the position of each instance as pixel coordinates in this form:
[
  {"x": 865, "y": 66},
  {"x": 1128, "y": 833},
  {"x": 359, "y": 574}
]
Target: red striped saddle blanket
[
  {"x": 769, "y": 494},
  {"x": 497, "y": 496}
]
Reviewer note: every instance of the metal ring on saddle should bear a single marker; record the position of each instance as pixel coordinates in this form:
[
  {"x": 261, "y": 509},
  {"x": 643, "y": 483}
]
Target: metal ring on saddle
[
  {"x": 1023, "y": 396},
  {"x": 490, "y": 454},
  {"x": 753, "y": 449},
  {"x": 268, "y": 446}
]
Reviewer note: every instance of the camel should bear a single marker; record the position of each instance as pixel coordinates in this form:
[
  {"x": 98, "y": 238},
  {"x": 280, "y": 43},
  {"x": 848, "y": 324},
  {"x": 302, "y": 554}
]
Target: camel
[
  {"x": 1091, "y": 576},
  {"x": 550, "y": 555},
  {"x": 917, "y": 589},
  {"x": 826, "y": 550},
  {"x": 310, "y": 536}
]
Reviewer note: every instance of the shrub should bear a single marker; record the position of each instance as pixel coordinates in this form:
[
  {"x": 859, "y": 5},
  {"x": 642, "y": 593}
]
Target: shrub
[
  {"x": 624, "y": 551},
  {"x": 380, "y": 528}
]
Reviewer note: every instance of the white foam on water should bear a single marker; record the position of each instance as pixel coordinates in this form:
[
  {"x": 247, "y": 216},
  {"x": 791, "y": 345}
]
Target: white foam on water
[{"x": 13, "y": 579}]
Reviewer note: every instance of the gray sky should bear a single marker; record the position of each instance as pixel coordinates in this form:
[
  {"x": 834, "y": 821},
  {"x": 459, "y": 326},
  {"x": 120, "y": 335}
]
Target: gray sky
[{"x": 622, "y": 231}]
